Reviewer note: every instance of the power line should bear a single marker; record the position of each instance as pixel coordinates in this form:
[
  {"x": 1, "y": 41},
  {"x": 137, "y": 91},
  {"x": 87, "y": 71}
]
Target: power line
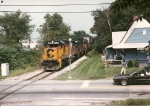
[
  {"x": 58, "y": 12},
  {"x": 50, "y": 12},
  {"x": 57, "y": 4}
]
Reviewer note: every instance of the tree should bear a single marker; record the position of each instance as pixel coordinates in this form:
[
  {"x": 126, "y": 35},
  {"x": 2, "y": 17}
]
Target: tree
[
  {"x": 102, "y": 27},
  {"x": 54, "y": 28},
  {"x": 78, "y": 35},
  {"x": 138, "y": 4},
  {"x": 108, "y": 20},
  {"x": 15, "y": 27}
]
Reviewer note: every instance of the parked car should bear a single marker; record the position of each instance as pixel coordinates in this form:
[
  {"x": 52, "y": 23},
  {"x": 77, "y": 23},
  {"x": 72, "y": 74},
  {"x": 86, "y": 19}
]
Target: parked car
[{"x": 138, "y": 76}]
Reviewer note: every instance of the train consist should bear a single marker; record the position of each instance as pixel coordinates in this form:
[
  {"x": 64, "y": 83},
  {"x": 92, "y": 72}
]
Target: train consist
[{"x": 56, "y": 54}]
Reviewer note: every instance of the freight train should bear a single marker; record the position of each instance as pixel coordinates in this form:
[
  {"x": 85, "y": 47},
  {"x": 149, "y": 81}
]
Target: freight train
[{"x": 57, "y": 53}]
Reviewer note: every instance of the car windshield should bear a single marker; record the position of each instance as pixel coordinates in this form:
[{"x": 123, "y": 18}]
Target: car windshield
[{"x": 136, "y": 71}]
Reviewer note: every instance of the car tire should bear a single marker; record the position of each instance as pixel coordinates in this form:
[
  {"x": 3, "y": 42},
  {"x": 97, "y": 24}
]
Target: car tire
[{"x": 124, "y": 82}]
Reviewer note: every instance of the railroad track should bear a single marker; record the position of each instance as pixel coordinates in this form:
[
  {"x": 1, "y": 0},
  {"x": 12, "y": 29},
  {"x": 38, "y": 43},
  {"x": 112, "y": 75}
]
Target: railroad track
[{"x": 16, "y": 87}]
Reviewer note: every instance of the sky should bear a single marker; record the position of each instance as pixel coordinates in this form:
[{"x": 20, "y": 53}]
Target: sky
[{"x": 77, "y": 21}]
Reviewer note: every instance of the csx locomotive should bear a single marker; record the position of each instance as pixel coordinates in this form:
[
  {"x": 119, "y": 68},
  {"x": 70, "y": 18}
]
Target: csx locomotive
[{"x": 56, "y": 53}]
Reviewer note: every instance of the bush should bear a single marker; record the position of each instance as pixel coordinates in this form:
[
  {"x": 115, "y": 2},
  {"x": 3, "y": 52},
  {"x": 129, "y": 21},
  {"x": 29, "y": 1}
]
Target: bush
[
  {"x": 130, "y": 64},
  {"x": 17, "y": 57},
  {"x": 136, "y": 62}
]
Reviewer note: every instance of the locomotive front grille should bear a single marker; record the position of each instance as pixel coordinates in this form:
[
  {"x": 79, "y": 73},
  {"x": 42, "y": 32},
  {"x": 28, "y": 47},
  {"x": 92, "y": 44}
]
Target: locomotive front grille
[{"x": 50, "y": 63}]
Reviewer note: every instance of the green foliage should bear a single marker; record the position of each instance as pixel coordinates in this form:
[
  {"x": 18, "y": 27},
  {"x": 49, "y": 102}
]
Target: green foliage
[
  {"x": 18, "y": 57},
  {"x": 101, "y": 43},
  {"x": 136, "y": 62},
  {"x": 78, "y": 35},
  {"x": 15, "y": 27},
  {"x": 54, "y": 28},
  {"x": 130, "y": 64},
  {"x": 102, "y": 28},
  {"x": 119, "y": 5},
  {"x": 131, "y": 102},
  {"x": 108, "y": 22}
]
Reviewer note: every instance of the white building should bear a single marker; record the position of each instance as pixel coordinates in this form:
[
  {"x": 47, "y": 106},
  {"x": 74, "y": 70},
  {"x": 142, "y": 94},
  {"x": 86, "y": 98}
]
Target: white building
[{"x": 30, "y": 45}]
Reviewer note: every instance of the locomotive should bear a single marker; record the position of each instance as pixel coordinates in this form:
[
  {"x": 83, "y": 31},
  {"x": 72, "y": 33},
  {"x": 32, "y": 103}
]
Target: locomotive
[{"x": 56, "y": 54}]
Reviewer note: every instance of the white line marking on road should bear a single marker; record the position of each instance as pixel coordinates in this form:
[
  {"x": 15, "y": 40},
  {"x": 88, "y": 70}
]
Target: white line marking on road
[{"x": 85, "y": 84}]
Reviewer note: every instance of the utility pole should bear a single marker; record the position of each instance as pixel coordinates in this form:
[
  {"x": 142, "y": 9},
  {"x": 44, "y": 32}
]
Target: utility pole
[{"x": 48, "y": 30}]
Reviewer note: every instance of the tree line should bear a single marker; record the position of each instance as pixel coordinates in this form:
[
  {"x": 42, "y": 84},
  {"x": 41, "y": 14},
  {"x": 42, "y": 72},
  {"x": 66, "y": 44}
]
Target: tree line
[
  {"x": 117, "y": 17},
  {"x": 16, "y": 27}
]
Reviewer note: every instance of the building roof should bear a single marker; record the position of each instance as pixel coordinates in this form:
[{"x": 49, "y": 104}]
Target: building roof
[
  {"x": 139, "y": 46},
  {"x": 134, "y": 38},
  {"x": 137, "y": 36},
  {"x": 116, "y": 38}
]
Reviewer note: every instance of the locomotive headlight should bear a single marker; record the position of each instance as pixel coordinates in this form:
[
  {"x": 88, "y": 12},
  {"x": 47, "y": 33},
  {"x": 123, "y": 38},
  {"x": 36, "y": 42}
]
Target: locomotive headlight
[
  {"x": 69, "y": 39},
  {"x": 52, "y": 42}
]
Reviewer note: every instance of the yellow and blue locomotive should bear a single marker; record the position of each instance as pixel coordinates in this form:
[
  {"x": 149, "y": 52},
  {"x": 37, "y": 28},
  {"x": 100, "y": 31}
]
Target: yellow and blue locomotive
[{"x": 56, "y": 53}]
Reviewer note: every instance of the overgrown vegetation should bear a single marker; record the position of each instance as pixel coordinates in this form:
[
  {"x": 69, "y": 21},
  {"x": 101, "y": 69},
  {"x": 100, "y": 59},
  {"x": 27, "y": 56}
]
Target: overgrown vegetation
[
  {"x": 131, "y": 102},
  {"x": 18, "y": 58}
]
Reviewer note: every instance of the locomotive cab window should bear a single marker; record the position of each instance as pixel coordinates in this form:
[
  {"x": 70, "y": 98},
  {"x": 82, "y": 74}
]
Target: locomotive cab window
[{"x": 54, "y": 45}]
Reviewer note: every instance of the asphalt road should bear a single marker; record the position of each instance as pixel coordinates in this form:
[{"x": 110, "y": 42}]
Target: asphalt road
[{"x": 71, "y": 92}]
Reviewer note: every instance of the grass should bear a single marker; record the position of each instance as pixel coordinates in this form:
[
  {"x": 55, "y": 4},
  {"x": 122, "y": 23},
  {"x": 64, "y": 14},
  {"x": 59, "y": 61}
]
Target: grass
[
  {"x": 17, "y": 72},
  {"x": 131, "y": 102},
  {"x": 92, "y": 68}
]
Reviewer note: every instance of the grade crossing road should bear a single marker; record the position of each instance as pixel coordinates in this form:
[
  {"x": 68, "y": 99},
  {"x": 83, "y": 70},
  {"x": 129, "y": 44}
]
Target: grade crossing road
[{"x": 72, "y": 92}]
